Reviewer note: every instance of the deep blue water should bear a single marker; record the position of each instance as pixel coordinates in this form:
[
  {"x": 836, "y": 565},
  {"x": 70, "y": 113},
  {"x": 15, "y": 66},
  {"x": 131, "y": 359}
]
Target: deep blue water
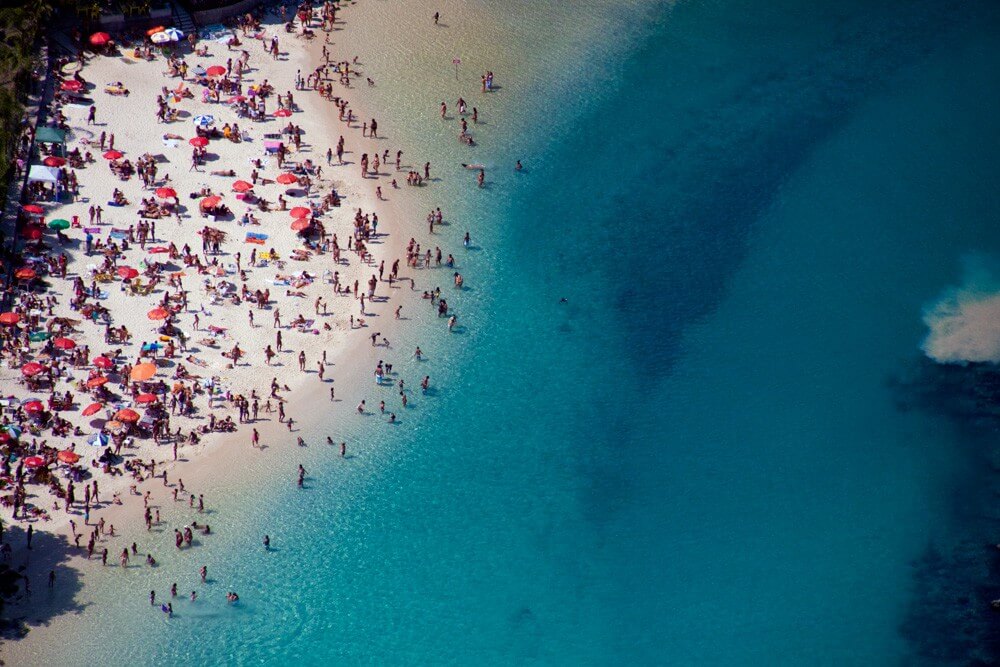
[{"x": 699, "y": 457}]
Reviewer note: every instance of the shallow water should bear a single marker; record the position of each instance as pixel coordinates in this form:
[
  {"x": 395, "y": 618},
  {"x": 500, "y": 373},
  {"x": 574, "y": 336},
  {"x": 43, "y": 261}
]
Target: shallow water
[{"x": 700, "y": 456}]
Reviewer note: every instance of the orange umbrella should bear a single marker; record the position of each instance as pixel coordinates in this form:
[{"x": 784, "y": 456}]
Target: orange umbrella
[
  {"x": 300, "y": 224},
  {"x": 166, "y": 193},
  {"x": 158, "y": 314},
  {"x": 242, "y": 186},
  {"x": 127, "y": 415},
  {"x": 300, "y": 212},
  {"x": 25, "y": 274},
  {"x": 142, "y": 372},
  {"x": 92, "y": 409},
  {"x": 97, "y": 381},
  {"x": 66, "y": 456},
  {"x": 9, "y": 318},
  {"x": 211, "y": 202},
  {"x": 146, "y": 398},
  {"x": 287, "y": 179},
  {"x": 153, "y": 31},
  {"x": 64, "y": 343},
  {"x": 31, "y": 369}
]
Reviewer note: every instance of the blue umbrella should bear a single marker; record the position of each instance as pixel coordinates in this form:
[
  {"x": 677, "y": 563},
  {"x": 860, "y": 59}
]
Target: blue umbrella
[
  {"x": 175, "y": 34},
  {"x": 99, "y": 439},
  {"x": 204, "y": 120}
]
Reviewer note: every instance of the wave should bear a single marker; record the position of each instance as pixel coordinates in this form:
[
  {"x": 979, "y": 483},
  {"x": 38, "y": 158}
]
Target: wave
[{"x": 964, "y": 323}]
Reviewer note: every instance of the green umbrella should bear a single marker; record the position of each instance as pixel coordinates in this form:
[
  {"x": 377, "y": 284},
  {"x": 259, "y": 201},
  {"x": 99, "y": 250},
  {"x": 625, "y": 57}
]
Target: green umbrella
[
  {"x": 59, "y": 223},
  {"x": 36, "y": 336}
]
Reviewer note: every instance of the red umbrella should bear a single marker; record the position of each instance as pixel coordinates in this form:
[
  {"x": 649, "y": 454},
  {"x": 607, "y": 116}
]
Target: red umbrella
[
  {"x": 64, "y": 343},
  {"x": 146, "y": 398},
  {"x": 53, "y": 161},
  {"x": 158, "y": 314},
  {"x": 127, "y": 272},
  {"x": 215, "y": 70},
  {"x": 282, "y": 113},
  {"x": 211, "y": 201},
  {"x": 97, "y": 381},
  {"x": 31, "y": 369},
  {"x": 127, "y": 415},
  {"x": 67, "y": 456},
  {"x": 198, "y": 141},
  {"x": 71, "y": 85},
  {"x": 32, "y": 232},
  {"x": 287, "y": 179},
  {"x": 300, "y": 224},
  {"x": 33, "y": 208},
  {"x": 9, "y": 318},
  {"x": 242, "y": 186},
  {"x": 100, "y": 38},
  {"x": 112, "y": 155},
  {"x": 300, "y": 212},
  {"x": 166, "y": 193},
  {"x": 25, "y": 274},
  {"x": 103, "y": 362},
  {"x": 92, "y": 409},
  {"x": 33, "y": 406},
  {"x": 34, "y": 461}
]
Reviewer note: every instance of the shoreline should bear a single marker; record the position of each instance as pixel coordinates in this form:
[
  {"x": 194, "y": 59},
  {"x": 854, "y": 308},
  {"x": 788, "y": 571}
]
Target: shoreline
[{"x": 201, "y": 466}]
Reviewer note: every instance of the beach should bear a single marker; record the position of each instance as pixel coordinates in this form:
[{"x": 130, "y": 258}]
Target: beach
[{"x": 696, "y": 405}]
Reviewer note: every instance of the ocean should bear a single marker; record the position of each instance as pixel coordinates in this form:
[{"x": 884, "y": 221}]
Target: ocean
[{"x": 671, "y": 428}]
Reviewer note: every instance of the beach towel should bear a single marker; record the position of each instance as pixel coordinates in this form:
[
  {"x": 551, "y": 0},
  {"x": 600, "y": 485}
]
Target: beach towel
[
  {"x": 118, "y": 233},
  {"x": 91, "y": 230},
  {"x": 253, "y": 237}
]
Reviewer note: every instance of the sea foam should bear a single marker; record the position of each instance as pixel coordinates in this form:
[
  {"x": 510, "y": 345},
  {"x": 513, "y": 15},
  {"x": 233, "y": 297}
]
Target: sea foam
[{"x": 965, "y": 322}]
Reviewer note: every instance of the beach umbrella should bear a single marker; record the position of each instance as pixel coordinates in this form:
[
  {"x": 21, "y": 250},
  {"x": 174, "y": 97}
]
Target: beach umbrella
[
  {"x": 160, "y": 38},
  {"x": 211, "y": 201},
  {"x": 201, "y": 142},
  {"x": 287, "y": 179},
  {"x": 153, "y": 31},
  {"x": 146, "y": 398},
  {"x": 300, "y": 224},
  {"x": 142, "y": 372},
  {"x": 33, "y": 406},
  {"x": 34, "y": 461},
  {"x": 204, "y": 120},
  {"x": 91, "y": 409},
  {"x": 5, "y": 437},
  {"x": 97, "y": 381},
  {"x": 31, "y": 369},
  {"x": 127, "y": 272},
  {"x": 67, "y": 456},
  {"x": 71, "y": 85},
  {"x": 53, "y": 161},
  {"x": 112, "y": 155},
  {"x": 236, "y": 98},
  {"x": 58, "y": 223},
  {"x": 242, "y": 186},
  {"x": 174, "y": 34},
  {"x": 158, "y": 314},
  {"x": 215, "y": 70},
  {"x": 166, "y": 193},
  {"x": 282, "y": 113},
  {"x": 13, "y": 430},
  {"x": 103, "y": 362},
  {"x": 64, "y": 343},
  {"x": 38, "y": 336},
  {"x": 9, "y": 318},
  {"x": 199, "y": 70},
  {"x": 300, "y": 212},
  {"x": 33, "y": 208},
  {"x": 32, "y": 232},
  {"x": 99, "y": 440},
  {"x": 127, "y": 416},
  {"x": 25, "y": 274},
  {"x": 100, "y": 38}
]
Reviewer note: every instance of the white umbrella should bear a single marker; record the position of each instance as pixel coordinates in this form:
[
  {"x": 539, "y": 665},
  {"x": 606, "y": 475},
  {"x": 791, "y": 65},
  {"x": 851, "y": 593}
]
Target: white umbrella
[
  {"x": 204, "y": 120},
  {"x": 160, "y": 38}
]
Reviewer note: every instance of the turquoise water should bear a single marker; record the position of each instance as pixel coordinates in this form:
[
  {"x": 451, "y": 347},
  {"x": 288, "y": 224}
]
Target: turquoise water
[{"x": 700, "y": 457}]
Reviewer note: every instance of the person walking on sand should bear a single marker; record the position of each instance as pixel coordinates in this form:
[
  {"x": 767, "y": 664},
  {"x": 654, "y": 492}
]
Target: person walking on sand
[{"x": 255, "y": 439}]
